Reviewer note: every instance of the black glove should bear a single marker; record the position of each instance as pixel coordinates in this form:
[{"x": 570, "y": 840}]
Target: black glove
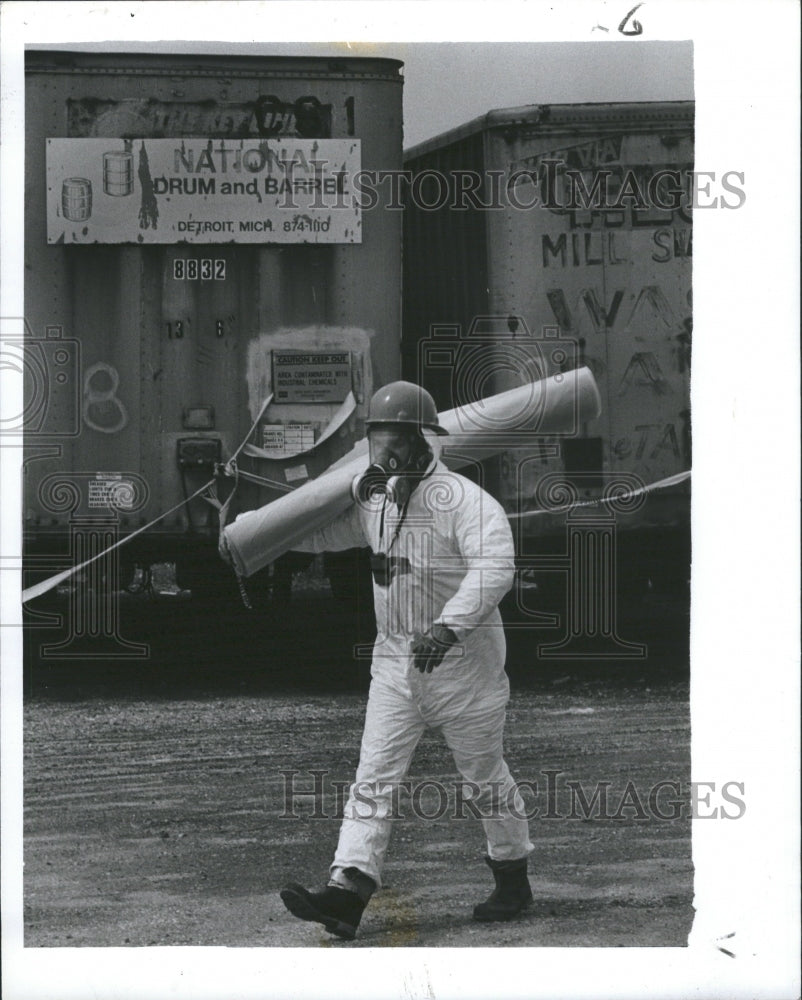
[{"x": 428, "y": 650}]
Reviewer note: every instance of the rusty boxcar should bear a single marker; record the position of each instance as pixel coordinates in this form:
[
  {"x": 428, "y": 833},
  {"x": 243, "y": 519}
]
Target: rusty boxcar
[
  {"x": 548, "y": 236},
  {"x": 196, "y": 266}
]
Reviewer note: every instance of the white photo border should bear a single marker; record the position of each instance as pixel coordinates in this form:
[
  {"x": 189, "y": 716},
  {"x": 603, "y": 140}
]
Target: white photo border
[{"x": 745, "y": 598}]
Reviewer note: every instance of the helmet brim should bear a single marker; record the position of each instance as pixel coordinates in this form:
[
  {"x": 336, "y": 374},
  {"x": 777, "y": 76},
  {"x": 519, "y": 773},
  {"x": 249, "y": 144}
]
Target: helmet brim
[{"x": 417, "y": 425}]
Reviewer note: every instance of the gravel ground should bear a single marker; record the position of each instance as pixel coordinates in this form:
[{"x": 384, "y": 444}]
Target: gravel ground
[
  {"x": 155, "y": 802},
  {"x": 160, "y": 823}
]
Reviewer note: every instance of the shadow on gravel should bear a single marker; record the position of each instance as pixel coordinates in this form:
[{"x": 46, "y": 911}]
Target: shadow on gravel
[{"x": 197, "y": 647}]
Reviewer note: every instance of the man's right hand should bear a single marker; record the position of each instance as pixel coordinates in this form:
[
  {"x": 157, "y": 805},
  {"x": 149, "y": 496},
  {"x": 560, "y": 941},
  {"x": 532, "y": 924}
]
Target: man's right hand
[{"x": 223, "y": 549}]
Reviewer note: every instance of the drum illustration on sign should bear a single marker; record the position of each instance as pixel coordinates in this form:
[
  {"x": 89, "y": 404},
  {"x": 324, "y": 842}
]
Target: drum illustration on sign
[
  {"x": 76, "y": 199},
  {"x": 118, "y": 173}
]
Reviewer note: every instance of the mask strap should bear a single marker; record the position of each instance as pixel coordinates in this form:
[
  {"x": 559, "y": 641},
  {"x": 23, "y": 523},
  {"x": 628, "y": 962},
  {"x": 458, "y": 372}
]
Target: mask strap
[
  {"x": 381, "y": 521},
  {"x": 398, "y": 526}
]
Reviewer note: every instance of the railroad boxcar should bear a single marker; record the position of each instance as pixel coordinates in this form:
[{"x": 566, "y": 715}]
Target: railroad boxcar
[
  {"x": 544, "y": 237},
  {"x": 193, "y": 249}
]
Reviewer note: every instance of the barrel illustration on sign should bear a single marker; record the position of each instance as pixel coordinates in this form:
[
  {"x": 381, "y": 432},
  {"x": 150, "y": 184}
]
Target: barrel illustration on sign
[
  {"x": 118, "y": 173},
  {"x": 204, "y": 191},
  {"x": 76, "y": 199}
]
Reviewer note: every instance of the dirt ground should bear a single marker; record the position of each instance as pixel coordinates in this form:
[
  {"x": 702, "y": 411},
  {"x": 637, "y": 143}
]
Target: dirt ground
[{"x": 154, "y": 797}]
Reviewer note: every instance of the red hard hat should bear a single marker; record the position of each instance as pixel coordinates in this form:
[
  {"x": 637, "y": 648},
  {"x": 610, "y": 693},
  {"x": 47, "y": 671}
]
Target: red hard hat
[{"x": 404, "y": 403}]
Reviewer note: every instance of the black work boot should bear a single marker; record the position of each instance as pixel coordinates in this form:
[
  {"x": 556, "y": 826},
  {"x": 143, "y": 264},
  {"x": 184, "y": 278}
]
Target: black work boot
[
  {"x": 339, "y": 910},
  {"x": 511, "y": 895}
]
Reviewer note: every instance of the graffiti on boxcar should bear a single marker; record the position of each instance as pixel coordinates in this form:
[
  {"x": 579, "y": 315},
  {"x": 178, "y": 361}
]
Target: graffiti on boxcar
[
  {"x": 585, "y": 249},
  {"x": 672, "y": 244},
  {"x": 602, "y": 316},
  {"x": 651, "y": 438},
  {"x": 597, "y": 247},
  {"x": 592, "y": 189},
  {"x": 606, "y": 149},
  {"x": 103, "y": 410},
  {"x": 627, "y": 217},
  {"x": 683, "y": 339},
  {"x": 306, "y": 117},
  {"x": 268, "y": 116},
  {"x": 149, "y": 207},
  {"x": 643, "y": 369},
  {"x": 650, "y": 300}
]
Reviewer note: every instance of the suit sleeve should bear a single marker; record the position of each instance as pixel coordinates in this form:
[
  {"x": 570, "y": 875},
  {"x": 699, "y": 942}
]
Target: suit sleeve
[
  {"x": 484, "y": 539},
  {"x": 344, "y": 532}
]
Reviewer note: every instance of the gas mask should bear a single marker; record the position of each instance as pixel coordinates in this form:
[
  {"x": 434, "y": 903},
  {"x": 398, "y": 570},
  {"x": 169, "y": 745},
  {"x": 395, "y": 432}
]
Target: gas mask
[{"x": 399, "y": 456}]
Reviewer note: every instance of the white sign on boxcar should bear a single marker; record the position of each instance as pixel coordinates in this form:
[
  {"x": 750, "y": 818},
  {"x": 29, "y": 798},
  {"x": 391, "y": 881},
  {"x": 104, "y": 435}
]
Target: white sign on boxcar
[
  {"x": 311, "y": 378},
  {"x": 202, "y": 191}
]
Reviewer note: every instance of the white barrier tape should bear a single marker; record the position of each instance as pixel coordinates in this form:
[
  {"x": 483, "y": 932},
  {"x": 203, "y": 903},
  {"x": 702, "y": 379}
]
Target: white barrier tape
[
  {"x": 260, "y": 414},
  {"x": 680, "y": 477},
  {"x": 53, "y": 581},
  {"x": 45, "y": 585}
]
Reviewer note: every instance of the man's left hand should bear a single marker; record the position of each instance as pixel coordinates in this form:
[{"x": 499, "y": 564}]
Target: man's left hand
[{"x": 429, "y": 649}]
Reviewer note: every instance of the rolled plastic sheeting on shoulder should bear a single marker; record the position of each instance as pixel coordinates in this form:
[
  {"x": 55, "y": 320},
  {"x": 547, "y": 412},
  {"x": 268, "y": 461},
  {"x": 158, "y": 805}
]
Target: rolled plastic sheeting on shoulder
[{"x": 549, "y": 406}]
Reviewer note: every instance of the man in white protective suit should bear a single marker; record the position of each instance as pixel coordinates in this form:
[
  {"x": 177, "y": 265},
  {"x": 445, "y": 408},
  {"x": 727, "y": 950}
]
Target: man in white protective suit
[{"x": 442, "y": 559}]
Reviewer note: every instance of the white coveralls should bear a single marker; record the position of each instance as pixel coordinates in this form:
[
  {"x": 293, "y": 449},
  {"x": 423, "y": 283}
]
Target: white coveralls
[{"x": 450, "y": 562}]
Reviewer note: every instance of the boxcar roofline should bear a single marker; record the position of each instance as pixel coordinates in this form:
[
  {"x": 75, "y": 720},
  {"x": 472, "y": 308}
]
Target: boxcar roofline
[
  {"x": 548, "y": 118},
  {"x": 199, "y": 64}
]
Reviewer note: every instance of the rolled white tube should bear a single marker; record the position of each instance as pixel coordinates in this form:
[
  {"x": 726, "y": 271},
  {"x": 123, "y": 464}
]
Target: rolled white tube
[{"x": 478, "y": 430}]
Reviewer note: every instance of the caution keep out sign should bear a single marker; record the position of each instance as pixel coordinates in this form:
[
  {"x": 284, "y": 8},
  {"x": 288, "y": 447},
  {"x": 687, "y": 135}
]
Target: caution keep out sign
[
  {"x": 311, "y": 378},
  {"x": 203, "y": 191}
]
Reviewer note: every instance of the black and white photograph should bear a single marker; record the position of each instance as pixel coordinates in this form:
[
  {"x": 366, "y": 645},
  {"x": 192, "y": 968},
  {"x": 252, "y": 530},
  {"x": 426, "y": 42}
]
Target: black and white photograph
[{"x": 400, "y": 503}]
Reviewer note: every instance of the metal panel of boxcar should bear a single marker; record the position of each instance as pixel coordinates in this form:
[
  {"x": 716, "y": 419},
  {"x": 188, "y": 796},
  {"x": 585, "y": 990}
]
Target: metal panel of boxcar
[
  {"x": 162, "y": 333},
  {"x": 606, "y": 288},
  {"x": 614, "y": 282},
  {"x": 445, "y": 263}
]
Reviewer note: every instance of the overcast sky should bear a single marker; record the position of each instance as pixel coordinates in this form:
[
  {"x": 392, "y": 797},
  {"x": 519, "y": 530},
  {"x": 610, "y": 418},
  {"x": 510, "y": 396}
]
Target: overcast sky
[{"x": 447, "y": 84}]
